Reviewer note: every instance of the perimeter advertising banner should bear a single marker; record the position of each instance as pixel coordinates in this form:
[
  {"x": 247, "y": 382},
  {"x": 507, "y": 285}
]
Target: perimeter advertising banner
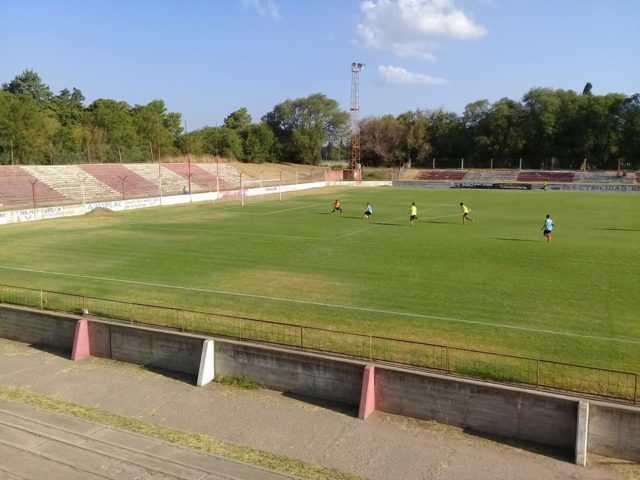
[{"x": 492, "y": 186}]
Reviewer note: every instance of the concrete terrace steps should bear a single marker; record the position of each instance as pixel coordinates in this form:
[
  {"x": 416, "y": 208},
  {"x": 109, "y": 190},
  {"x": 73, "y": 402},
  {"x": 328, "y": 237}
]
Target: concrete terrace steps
[
  {"x": 17, "y": 187},
  {"x": 491, "y": 176},
  {"x": 604, "y": 177},
  {"x": 120, "y": 178},
  {"x": 448, "y": 175},
  {"x": 546, "y": 176},
  {"x": 41, "y": 444},
  {"x": 172, "y": 183},
  {"x": 228, "y": 174},
  {"x": 202, "y": 179},
  {"x": 68, "y": 180}
]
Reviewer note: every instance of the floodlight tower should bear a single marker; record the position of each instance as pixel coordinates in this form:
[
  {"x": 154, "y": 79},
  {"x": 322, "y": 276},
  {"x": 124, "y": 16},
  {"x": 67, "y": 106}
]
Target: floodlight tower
[{"x": 354, "y": 156}]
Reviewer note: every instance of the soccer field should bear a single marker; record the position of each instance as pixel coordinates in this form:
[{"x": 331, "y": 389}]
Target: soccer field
[{"x": 492, "y": 285}]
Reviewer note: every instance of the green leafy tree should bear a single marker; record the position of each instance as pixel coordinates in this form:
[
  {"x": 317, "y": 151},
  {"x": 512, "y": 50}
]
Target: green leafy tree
[
  {"x": 25, "y": 129},
  {"x": 381, "y": 140},
  {"x": 157, "y": 128},
  {"x": 259, "y": 143},
  {"x": 238, "y": 120},
  {"x": 29, "y": 85},
  {"x": 416, "y": 145},
  {"x": 304, "y": 125},
  {"x": 221, "y": 142},
  {"x": 68, "y": 107},
  {"x": 115, "y": 121},
  {"x": 630, "y": 131}
]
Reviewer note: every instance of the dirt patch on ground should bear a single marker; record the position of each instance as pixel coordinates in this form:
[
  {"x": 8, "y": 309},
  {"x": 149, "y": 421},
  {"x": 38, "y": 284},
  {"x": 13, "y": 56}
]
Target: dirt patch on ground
[{"x": 99, "y": 212}]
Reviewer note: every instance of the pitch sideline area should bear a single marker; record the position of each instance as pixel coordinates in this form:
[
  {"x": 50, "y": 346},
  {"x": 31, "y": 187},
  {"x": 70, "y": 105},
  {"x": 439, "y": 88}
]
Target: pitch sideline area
[{"x": 493, "y": 284}]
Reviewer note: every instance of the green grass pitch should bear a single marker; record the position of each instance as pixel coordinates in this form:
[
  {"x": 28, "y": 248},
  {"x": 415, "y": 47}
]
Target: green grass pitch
[{"x": 492, "y": 285}]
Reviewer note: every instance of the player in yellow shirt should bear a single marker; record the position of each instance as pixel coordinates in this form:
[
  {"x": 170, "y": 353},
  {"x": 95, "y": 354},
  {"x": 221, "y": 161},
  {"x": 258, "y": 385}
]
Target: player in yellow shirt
[
  {"x": 336, "y": 206},
  {"x": 465, "y": 213},
  {"x": 413, "y": 213}
]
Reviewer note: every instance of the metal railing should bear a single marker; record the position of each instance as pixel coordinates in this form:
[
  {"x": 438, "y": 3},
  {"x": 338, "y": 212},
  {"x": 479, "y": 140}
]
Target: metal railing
[{"x": 614, "y": 384}]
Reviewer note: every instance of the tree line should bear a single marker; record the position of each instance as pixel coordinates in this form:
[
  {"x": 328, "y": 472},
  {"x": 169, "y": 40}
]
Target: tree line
[{"x": 547, "y": 127}]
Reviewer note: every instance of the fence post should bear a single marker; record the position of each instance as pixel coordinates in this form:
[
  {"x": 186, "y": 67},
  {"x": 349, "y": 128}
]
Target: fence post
[
  {"x": 537, "y": 372},
  {"x": 446, "y": 354},
  {"x": 41, "y": 300},
  {"x": 635, "y": 389},
  {"x": 2, "y": 294},
  {"x": 370, "y": 348},
  {"x": 131, "y": 313},
  {"x": 301, "y": 339}
]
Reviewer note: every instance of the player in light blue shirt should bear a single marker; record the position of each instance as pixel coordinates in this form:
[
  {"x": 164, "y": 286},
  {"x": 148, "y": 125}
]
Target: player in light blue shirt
[
  {"x": 368, "y": 212},
  {"x": 547, "y": 228}
]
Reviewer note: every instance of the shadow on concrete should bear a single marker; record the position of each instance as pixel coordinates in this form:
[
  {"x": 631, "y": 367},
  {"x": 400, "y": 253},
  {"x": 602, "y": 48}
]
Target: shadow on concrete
[
  {"x": 517, "y": 240},
  {"x": 58, "y": 352},
  {"x": 187, "y": 378},
  {"x": 339, "y": 407},
  {"x": 564, "y": 455}
]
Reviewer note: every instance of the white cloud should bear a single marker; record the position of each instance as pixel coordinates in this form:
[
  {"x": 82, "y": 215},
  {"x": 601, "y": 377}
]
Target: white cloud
[
  {"x": 398, "y": 75},
  {"x": 263, "y": 7},
  {"x": 413, "y": 28}
]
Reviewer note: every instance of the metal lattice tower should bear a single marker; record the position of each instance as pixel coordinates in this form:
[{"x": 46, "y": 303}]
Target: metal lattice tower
[{"x": 354, "y": 156}]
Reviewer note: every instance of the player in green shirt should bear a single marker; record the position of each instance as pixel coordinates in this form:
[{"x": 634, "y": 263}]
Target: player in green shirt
[
  {"x": 413, "y": 213},
  {"x": 465, "y": 213}
]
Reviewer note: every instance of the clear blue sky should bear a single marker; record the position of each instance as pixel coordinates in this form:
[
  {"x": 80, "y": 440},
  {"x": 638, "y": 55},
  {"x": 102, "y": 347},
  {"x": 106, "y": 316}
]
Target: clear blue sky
[{"x": 206, "y": 59}]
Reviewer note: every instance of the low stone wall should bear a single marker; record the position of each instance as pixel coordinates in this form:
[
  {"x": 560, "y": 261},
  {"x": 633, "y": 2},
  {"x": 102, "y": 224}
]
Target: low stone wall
[
  {"x": 487, "y": 408},
  {"x": 554, "y": 420},
  {"x": 614, "y": 431},
  {"x": 309, "y": 375},
  {"x": 38, "y": 328}
]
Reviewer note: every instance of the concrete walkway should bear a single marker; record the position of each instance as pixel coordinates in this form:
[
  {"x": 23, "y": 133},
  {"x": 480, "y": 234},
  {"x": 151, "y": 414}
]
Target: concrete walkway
[
  {"x": 41, "y": 444},
  {"x": 382, "y": 447}
]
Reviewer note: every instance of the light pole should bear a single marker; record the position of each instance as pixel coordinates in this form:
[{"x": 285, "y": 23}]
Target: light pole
[
  {"x": 122, "y": 179},
  {"x": 33, "y": 192},
  {"x": 84, "y": 203}
]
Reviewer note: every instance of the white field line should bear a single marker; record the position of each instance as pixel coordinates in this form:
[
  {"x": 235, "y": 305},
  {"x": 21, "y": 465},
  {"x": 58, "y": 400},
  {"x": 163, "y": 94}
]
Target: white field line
[{"x": 331, "y": 305}]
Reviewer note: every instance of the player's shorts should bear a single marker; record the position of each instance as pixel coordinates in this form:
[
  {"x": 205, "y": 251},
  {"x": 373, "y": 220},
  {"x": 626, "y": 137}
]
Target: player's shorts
[
  {"x": 546, "y": 232},
  {"x": 367, "y": 213},
  {"x": 413, "y": 217}
]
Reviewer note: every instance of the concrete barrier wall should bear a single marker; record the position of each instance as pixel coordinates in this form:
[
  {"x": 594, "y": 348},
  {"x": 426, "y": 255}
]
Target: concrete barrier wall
[
  {"x": 38, "y": 328},
  {"x": 153, "y": 348},
  {"x": 302, "y": 374},
  {"x": 614, "y": 431},
  {"x": 486, "y": 408}
]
